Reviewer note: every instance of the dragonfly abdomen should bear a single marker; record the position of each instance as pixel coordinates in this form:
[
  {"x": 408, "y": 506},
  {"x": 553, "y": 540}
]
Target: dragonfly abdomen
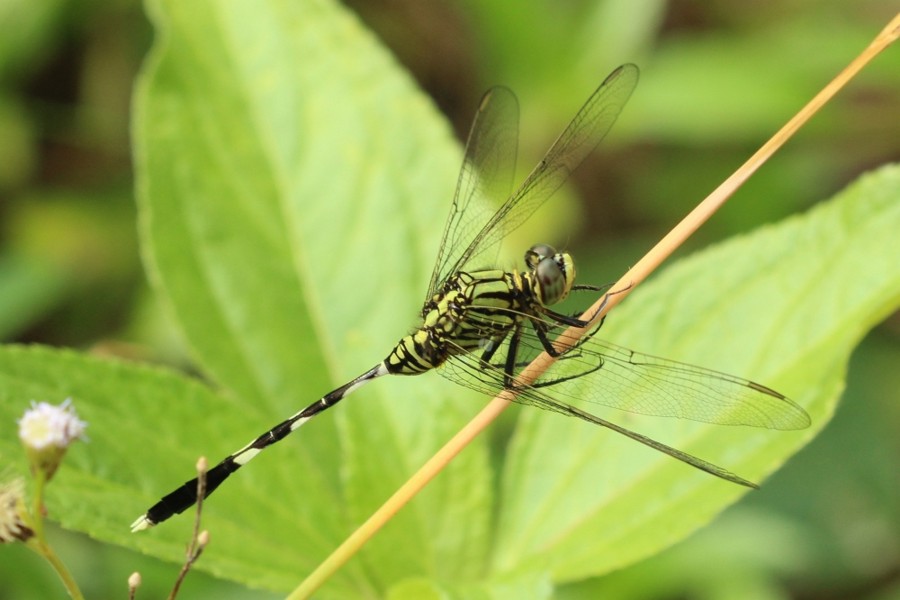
[{"x": 470, "y": 310}]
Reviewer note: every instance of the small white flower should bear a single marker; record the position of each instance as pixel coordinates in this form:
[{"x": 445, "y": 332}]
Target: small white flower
[
  {"x": 46, "y": 431},
  {"x": 12, "y": 527},
  {"x": 45, "y": 425}
]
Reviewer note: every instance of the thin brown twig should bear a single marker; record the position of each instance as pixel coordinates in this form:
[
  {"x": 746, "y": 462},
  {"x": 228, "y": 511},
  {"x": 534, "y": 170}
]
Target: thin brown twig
[{"x": 199, "y": 539}]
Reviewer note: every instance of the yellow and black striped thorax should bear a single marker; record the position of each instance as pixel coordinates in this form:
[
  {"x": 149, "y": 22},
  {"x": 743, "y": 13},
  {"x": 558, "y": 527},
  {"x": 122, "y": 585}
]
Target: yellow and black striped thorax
[
  {"x": 468, "y": 311},
  {"x": 475, "y": 309}
]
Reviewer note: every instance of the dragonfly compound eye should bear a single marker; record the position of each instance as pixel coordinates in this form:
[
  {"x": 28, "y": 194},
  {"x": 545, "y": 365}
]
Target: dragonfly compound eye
[
  {"x": 554, "y": 276},
  {"x": 537, "y": 253}
]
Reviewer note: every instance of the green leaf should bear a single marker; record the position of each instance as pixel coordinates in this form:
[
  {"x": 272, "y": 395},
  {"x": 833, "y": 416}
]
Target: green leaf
[
  {"x": 785, "y": 306},
  {"x": 292, "y": 187},
  {"x": 98, "y": 487},
  {"x": 289, "y": 178}
]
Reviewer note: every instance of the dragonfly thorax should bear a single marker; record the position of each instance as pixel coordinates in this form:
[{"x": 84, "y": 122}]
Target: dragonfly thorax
[
  {"x": 551, "y": 273},
  {"x": 475, "y": 311},
  {"x": 470, "y": 312}
]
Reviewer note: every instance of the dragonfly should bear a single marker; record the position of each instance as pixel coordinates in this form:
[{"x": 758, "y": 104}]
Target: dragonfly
[{"x": 480, "y": 325}]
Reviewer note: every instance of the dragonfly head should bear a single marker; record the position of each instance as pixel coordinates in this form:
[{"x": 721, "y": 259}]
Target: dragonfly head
[{"x": 552, "y": 273}]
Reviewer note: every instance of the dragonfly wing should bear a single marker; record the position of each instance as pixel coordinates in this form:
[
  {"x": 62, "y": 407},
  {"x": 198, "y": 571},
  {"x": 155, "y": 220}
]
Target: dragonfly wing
[
  {"x": 486, "y": 178},
  {"x": 470, "y": 372},
  {"x": 598, "y": 372},
  {"x": 640, "y": 383},
  {"x": 590, "y": 125}
]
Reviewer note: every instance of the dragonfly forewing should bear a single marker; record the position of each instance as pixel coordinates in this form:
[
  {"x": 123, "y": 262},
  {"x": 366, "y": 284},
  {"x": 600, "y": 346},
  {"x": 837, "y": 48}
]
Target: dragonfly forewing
[
  {"x": 583, "y": 134},
  {"x": 486, "y": 177}
]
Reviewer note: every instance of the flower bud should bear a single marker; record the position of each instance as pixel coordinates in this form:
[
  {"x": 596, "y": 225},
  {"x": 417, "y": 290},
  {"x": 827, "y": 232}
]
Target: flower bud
[{"x": 46, "y": 431}]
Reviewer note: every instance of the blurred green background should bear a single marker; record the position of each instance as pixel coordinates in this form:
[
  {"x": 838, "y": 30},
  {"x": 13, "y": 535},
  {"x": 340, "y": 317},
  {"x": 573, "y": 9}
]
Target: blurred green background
[{"x": 717, "y": 79}]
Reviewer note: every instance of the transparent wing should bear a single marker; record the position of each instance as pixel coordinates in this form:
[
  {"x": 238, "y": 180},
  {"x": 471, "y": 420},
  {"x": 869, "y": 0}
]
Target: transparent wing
[
  {"x": 579, "y": 139},
  {"x": 619, "y": 378},
  {"x": 602, "y": 373},
  {"x": 486, "y": 178}
]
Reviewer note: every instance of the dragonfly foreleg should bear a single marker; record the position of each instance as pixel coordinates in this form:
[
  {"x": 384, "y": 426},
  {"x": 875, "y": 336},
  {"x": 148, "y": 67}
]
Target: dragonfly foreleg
[{"x": 586, "y": 287}]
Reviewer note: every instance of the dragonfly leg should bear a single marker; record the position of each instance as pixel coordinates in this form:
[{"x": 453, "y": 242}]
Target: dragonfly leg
[
  {"x": 511, "y": 364},
  {"x": 524, "y": 363},
  {"x": 490, "y": 348},
  {"x": 574, "y": 320},
  {"x": 509, "y": 367},
  {"x": 541, "y": 328},
  {"x": 558, "y": 380},
  {"x": 585, "y": 287}
]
